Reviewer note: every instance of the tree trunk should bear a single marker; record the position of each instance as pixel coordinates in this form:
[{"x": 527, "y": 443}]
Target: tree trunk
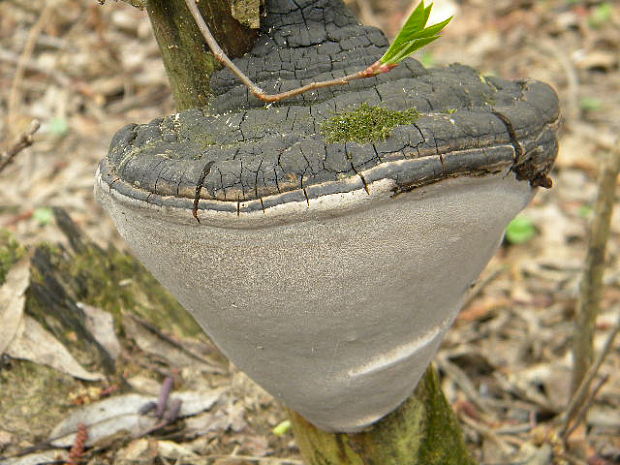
[
  {"x": 422, "y": 431},
  {"x": 187, "y": 59}
]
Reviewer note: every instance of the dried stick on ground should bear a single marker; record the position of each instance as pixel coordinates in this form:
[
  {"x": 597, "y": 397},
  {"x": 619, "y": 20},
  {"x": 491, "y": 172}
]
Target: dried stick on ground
[
  {"x": 581, "y": 396},
  {"x": 24, "y": 141},
  {"x": 592, "y": 280},
  {"x": 31, "y": 42},
  {"x": 580, "y": 416}
]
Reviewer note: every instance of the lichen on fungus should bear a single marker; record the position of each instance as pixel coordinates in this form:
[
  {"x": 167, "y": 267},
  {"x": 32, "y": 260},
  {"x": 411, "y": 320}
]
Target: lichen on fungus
[{"x": 366, "y": 124}]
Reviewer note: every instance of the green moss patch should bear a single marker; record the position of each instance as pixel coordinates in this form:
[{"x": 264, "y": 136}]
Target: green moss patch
[
  {"x": 366, "y": 124},
  {"x": 10, "y": 253},
  {"x": 34, "y": 398}
]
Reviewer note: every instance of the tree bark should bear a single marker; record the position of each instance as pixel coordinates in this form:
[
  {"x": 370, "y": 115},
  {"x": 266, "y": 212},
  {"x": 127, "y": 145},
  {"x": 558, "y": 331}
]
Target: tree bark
[
  {"x": 186, "y": 56},
  {"x": 422, "y": 431}
]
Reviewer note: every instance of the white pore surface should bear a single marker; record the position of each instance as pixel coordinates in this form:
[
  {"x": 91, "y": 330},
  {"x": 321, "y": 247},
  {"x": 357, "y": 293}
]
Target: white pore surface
[{"x": 337, "y": 316}]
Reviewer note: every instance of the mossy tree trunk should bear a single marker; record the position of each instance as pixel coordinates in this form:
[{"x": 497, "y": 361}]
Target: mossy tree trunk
[
  {"x": 422, "y": 431},
  {"x": 186, "y": 56}
]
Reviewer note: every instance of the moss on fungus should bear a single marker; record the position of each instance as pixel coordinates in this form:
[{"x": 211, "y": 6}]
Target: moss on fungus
[{"x": 366, "y": 124}]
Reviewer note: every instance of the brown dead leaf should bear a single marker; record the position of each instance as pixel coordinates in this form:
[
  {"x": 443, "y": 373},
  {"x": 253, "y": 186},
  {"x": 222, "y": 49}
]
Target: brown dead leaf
[
  {"x": 38, "y": 345},
  {"x": 12, "y": 302},
  {"x": 480, "y": 308},
  {"x": 50, "y": 456},
  {"x": 141, "y": 451},
  {"x": 113, "y": 415},
  {"x": 101, "y": 325},
  {"x": 153, "y": 341}
]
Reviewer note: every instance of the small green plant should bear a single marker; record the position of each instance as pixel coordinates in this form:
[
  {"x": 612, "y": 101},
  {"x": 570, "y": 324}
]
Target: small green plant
[
  {"x": 601, "y": 15},
  {"x": 282, "y": 428},
  {"x": 43, "y": 215},
  {"x": 366, "y": 124},
  {"x": 58, "y": 127},
  {"x": 520, "y": 230},
  {"x": 585, "y": 211},
  {"x": 590, "y": 104},
  {"x": 413, "y": 36}
]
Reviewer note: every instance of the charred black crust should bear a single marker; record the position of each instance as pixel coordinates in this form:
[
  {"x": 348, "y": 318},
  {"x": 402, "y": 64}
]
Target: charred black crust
[{"x": 238, "y": 151}]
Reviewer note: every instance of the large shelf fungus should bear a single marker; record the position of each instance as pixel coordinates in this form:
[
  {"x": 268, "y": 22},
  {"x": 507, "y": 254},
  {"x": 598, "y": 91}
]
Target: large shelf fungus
[{"x": 328, "y": 269}]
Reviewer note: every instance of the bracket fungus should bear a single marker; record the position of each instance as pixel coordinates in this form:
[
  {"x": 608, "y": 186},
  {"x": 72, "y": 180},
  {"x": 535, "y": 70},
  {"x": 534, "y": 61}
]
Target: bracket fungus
[{"x": 337, "y": 231}]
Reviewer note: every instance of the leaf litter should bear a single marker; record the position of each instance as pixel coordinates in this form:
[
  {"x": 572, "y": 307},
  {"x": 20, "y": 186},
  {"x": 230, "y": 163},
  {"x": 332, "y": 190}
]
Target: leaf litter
[{"x": 511, "y": 344}]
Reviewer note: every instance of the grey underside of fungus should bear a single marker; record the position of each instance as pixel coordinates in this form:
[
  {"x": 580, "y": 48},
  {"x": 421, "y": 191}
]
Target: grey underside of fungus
[{"x": 315, "y": 264}]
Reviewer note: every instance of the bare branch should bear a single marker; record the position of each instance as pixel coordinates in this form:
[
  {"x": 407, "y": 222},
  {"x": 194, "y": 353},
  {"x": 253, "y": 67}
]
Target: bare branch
[
  {"x": 24, "y": 141},
  {"x": 580, "y": 397},
  {"x": 592, "y": 281}
]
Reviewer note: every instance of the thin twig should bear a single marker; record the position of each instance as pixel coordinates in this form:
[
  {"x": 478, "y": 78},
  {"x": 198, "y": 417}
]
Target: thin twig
[
  {"x": 479, "y": 286},
  {"x": 31, "y": 41},
  {"x": 592, "y": 281},
  {"x": 176, "y": 344},
  {"x": 502, "y": 443},
  {"x": 218, "y": 53},
  {"x": 24, "y": 141},
  {"x": 10, "y": 57},
  {"x": 579, "y": 397},
  {"x": 581, "y": 414},
  {"x": 572, "y": 78},
  {"x": 463, "y": 381}
]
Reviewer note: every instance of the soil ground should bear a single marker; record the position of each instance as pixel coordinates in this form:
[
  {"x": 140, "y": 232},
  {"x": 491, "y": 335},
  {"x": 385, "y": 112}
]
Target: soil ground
[{"x": 85, "y": 69}]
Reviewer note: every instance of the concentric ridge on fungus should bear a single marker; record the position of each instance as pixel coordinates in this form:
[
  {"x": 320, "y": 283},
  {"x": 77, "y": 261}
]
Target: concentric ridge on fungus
[{"x": 245, "y": 156}]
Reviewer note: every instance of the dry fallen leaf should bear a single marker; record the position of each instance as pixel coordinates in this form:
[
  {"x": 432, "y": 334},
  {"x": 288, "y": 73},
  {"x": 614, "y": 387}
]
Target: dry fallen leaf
[
  {"x": 110, "y": 416},
  {"x": 50, "y": 456},
  {"x": 12, "y": 302},
  {"x": 101, "y": 325},
  {"x": 38, "y": 345},
  {"x": 154, "y": 342}
]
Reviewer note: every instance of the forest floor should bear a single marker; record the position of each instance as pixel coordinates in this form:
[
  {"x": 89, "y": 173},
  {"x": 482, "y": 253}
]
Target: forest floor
[{"x": 85, "y": 70}]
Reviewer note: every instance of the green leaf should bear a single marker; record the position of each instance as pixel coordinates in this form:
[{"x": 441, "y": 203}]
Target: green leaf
[
  {"x": 58, "y": 126},
  {"x": 282, "y": 428},
  {"x": 414, "y": 35},
  {"x": 601, "y": 15},
  {"x": 520, "y": 230},
  {"x": 43, "y": 215},
  {"x": 410, "y": 48},
  {"x": 585, "y": 211},
  {"x": 590, "y": 104}
]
